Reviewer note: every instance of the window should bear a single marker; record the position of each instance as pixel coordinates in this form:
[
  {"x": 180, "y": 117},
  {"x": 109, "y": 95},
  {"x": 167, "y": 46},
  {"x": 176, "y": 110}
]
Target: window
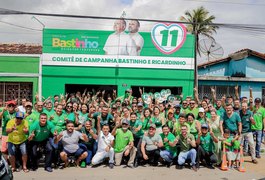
[
  {"x": 16, "y": 90},
  {"x": 220, "y": 91}
]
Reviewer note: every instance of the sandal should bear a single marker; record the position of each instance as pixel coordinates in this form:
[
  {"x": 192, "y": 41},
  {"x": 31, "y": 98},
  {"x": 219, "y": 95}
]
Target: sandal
[{"x": 25, "y": 170}]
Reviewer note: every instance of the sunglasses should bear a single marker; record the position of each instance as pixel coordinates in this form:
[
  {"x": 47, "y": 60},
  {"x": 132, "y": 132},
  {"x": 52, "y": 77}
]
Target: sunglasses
[
  {"x": 11, "y": 105},
  {"x": 69, "y": 106}
]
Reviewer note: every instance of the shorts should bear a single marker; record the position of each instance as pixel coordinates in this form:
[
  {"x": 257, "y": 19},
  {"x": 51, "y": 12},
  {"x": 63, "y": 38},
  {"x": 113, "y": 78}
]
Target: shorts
[
  {"x": 12, "y": 148},
  {"x": 233, "y": 156},
  {"x": 4, "y": 144},
  {"x": 76, "y": 154}
]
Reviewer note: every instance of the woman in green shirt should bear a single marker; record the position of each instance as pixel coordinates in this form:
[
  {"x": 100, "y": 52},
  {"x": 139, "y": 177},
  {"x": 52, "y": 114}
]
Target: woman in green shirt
[
  {"x": 82, "y": 116},
  {"x": 146, "y": 119},
  {"x": 157, "y": 119},
  {"x": 195, "y": 125}
]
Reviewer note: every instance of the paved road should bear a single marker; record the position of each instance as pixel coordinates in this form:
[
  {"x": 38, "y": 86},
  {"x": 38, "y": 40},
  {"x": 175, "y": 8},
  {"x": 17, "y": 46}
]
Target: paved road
[{"x": 146, "y": 173}]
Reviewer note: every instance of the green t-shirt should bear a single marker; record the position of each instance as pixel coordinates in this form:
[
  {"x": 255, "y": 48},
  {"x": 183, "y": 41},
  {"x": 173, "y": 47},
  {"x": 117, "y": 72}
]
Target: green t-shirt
[
  {"x": 207, "y": 142},
  {"x": 70, "y": 116},
  {"x": 49, "y": 113},
  {"x": 6, "y": 117},
  {"x": 184, "y": 145},
  {"x": 259, "y": 115},
  {"x": 41, "y": 132},
  {"x": 157, "y": 121},
  {"x": 31, "y": 118},
  {"x": 91, "y": 141},
  {"x": 193, "y": 129},
  {"x": 59, "y": 121},
  {"x": 134, "y": 125},
  {"x": 122, "y": 139},
  {"x": 170, "y": 138},
  {"x": 146, "y": 123},
  {"x": 246, "y": 123},
  {"x": 231, "y": 123},
  {"x": 194, "y": 111},
  {"x": 177, "y": 127},
  {"x": 82, "y": 118},
  {"x": 228, "y": 140}
]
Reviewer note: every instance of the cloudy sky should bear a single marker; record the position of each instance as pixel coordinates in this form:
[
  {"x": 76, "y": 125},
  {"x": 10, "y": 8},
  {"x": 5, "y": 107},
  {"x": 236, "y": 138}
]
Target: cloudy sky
[{"x": 249, "y": 12}]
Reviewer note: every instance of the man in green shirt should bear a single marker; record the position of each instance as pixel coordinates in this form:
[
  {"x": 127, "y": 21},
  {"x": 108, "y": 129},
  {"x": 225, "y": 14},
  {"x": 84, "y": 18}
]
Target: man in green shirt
[
  {"x": 192, "y": 109},
  {"x": 205, "y": 143},
  {"x": 259, "y": 126},
  {"x": 59, "y": 118},
  {"x": 124, "y": 143},
  {"x": 170, "y": 151},
  {"x": 39, "y": 133},
  {"x": 187, "y": 145},
  {"x": 39, "y": 109},
  {"x": 7, "y": 113},
  {"x": 136, "y": 128},
  {"x": 29, "y": 116}
]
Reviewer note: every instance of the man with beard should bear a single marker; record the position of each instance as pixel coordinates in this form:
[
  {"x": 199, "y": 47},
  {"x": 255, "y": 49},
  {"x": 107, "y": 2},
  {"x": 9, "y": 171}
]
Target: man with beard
[
  {"x": 104, "y": 117},
  {"x": 124, "y": 145},
  {"x": 70, "y": 139}
]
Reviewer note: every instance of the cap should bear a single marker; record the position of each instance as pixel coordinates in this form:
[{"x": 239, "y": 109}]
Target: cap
[
  {"x": 170, "y": 111},
  {"x": 11, "y": 102},
  {"x": 177, "y": 106},
  {"x": 140, "y": 104},
  {"x": 125, "y": 121},
  {"x": 20, "y": 115},
  {"x": 204, "y": 126},
  {"x": 182, "y": 115},
  {"x": 28, "y": 104},
  {"x": 257, "y": 100},
  {"x": 201, "y": 110},
  {"x": 153, "y": 126}
]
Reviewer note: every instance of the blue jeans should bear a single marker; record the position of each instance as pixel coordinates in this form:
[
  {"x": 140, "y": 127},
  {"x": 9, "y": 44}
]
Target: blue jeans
[
  {"x": 183, "y": 156},
  {"x": 12, "y": 148},
  {"x": 167, "y": 155},
  {"x": 90, "y": 152},
  {"x": 258, "y": 136}
]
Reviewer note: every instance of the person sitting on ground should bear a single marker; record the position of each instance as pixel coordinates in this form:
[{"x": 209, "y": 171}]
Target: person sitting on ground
[
  {"x": 70, "y": 139},
  {"x": 205, "y": 143},
  {"x": 124, "y": 145}
]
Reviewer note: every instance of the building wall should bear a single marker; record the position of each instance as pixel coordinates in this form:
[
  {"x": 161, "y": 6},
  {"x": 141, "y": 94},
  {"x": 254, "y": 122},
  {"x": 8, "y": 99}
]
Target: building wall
[
  {"x": 55, "y": 78},
  {"x": 214, "y": 70},
  {"x": 255, "y": 67},
  {"x": 19, "y": 64},
  {"x": 244, "y": 86}
]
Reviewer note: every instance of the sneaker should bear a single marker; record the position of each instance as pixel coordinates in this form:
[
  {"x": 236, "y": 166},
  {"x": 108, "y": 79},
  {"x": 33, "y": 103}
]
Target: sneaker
[
  {"x": 258, "y": 156},
  {"x": 83, "y": 164},
  {"x": 179, "y": 166},
  {"x": 254, "y": 161},
  {"x": 48, "y": 169},
  {"x": 194, "y": 168},
  {"x": 111, "y": 165}
]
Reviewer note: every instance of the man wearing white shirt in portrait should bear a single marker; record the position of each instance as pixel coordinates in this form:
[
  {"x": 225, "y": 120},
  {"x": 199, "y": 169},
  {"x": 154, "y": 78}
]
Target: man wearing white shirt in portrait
[
  {"x": 120, "y": 43},
  {"x": 133, "y": 28}
]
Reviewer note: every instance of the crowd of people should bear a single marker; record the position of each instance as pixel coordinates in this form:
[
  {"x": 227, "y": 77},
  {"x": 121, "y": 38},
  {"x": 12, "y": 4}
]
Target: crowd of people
[{"x": 91, "y": 129}]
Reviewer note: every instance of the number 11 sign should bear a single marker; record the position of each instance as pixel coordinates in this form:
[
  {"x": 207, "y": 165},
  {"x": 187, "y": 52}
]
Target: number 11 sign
[{"x": 168, "y": 38}]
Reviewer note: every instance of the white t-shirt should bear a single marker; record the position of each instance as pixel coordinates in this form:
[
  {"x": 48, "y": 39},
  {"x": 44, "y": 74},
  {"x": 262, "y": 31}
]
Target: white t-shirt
[
  {"x": 104, "y": 141},
  {"x": 138, "y": 40},
  {"x": 21, "y": 109},
  {"x": 70, "y": 141},
  {"x": 120, "y": 44}
]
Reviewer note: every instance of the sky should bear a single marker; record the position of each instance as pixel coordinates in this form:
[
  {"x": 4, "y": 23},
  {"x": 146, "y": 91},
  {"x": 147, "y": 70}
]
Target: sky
[{"x": 249, "y": 12}]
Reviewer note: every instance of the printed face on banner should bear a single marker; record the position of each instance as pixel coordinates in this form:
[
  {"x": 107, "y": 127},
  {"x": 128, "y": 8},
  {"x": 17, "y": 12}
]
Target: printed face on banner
[{"x": 168, "y": 38}]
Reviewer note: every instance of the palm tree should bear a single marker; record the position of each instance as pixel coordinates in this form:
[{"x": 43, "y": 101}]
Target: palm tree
[{"x": 201, "y": 24}]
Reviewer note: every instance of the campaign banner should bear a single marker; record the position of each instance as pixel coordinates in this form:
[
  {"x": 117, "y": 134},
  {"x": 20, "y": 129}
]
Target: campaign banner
[
  {"x": 164, "y": 46},
  {"x": 121, "y": 61}
]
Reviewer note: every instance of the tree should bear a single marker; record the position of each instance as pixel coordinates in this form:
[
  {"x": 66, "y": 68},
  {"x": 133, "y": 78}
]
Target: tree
[{"x": 200, "y": 24}]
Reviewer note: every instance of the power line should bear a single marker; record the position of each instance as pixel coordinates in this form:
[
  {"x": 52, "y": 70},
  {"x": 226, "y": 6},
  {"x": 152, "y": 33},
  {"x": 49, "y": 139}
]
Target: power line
[
  {"x": 11, "y": 24},
  {"x": 227, "y": 2}
]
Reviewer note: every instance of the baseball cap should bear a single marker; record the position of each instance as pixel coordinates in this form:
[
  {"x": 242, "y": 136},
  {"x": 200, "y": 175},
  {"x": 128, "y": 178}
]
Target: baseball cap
[
  {"x": 125, "y": 121},
  {"x": 204, "y": 126},
  {"x": 170, "y": 111},
  {"x": 140, "y": 104},
  {"x": 152, "y": 126},
  {"x": 11, "y": 102},
  {"x": 257, "y": 100},
  {"x": 177, "y": 106},
  {"x": 20, "y": 115},
  {"x": 201, "y": 110},
  {"x": 28, "y": 104}
]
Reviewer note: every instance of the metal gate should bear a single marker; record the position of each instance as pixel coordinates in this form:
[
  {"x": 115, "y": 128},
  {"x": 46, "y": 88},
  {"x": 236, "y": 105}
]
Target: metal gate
[
  {"x": 220, "y": 91},
  {"x": 16, "y": 90}
]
